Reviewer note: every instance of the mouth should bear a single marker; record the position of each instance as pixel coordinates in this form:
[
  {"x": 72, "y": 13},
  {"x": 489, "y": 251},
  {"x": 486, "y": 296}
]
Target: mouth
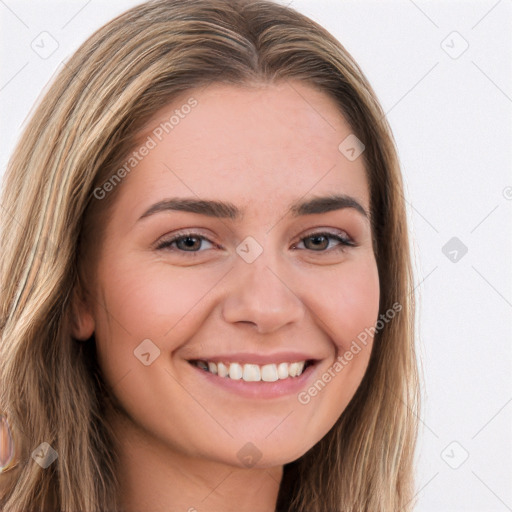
[{"x": 249, "y": 372}]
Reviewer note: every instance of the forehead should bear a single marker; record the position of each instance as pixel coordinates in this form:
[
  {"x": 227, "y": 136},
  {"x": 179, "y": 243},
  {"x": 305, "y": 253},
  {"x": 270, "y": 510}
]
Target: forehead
[{"x": 258, "y": 147}]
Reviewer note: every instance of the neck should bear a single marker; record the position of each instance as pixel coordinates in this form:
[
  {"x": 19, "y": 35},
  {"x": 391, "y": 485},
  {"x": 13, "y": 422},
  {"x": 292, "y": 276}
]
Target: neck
[{"x": 153, "y": 476}]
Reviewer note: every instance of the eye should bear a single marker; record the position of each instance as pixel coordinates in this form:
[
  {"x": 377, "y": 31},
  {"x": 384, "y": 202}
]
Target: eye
[
  {"x": 185, "y": 242},
  {"x": 320, "y": 241},
  {"x": 192, "y": 242}
]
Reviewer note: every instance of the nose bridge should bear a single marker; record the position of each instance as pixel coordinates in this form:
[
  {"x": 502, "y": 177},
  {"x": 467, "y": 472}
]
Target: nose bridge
[{"x": 260, "y": 295}]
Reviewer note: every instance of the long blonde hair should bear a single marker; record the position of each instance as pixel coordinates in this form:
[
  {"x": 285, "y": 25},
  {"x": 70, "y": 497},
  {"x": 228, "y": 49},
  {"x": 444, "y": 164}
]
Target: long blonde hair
[{"x": 51, "y": 389}]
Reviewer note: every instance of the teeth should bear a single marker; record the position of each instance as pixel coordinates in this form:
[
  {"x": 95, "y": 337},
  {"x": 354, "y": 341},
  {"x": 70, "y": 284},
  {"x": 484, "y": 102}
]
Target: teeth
[
  {"x": 295, "y": 369},
  {"x": 253, "y": 372},
  {"x": 282, "y": 370},
  {"x": 269, "y": 373},
  {"x": 235, "y": 371},
  {"x": 222, "y": 371}
]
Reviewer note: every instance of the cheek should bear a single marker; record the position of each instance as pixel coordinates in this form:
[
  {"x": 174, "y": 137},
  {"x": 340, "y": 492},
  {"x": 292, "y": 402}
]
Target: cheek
[
  {"x": 152, "y": 300},
  {"x": 347, "y": 309},
  {"x": 138, "y": 302},
  {"x": 346, "y": 300}
]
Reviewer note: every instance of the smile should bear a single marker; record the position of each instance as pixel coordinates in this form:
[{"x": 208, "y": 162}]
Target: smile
[{"x": 253, "y": 372}]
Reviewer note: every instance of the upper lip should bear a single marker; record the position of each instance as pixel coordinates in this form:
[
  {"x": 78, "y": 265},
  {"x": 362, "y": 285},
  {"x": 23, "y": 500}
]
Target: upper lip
[{"x": 259, "y": 359}]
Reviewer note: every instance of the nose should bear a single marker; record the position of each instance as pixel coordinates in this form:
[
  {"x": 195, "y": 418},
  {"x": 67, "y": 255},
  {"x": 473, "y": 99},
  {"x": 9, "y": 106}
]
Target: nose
[{"x": 260, "y": 296}]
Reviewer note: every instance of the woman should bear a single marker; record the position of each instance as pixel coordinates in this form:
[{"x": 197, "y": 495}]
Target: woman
[{"x": 265, "y": 371}]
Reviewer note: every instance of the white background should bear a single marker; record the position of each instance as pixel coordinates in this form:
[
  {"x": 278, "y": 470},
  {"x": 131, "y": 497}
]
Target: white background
[{"x": 451, "y": 117}]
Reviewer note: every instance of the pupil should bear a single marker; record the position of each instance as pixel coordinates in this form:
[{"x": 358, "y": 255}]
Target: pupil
[
  {"x": 317, "y": 239},
  {"x": 189, "y": 241}
]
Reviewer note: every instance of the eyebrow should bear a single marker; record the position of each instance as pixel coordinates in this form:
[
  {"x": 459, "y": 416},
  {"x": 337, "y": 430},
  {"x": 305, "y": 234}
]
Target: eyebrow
[{"x": 226, "y": 210}]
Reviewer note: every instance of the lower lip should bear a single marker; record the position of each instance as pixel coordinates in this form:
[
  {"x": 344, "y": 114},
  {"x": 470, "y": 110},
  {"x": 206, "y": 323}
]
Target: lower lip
[{"x": 260, "y": 389}]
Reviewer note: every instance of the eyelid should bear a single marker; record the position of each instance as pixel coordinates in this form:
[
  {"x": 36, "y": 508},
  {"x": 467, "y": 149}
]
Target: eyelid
[
  {"x": 333, "y": 232},
  {"x": 165, "y": 242}
]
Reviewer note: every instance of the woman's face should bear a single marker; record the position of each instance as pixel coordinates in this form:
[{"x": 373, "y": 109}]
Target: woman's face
[{"x": 251, "y": 283}]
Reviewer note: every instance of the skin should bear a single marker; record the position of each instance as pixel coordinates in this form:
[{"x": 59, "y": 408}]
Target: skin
[{"x": 259, "y": 148}]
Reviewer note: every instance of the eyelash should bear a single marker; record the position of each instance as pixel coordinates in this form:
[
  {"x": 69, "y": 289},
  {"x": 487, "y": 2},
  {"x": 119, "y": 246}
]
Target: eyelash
[{"x": 344, "y": 242}]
